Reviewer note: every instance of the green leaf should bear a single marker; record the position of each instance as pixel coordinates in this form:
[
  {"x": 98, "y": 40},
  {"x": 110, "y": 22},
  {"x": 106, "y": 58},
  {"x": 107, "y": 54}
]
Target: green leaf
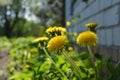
[
  {"x": 61, "y": 61},
  {"x": 87, "y": 63},
  {"x": 110, "y": 68},
  {"x": 21, "y": 76},
  {"x": 45, "y": 66},
  {"x": 83, "y": 55},
  {"x": 117, "y": 71},
  {"x": 74, "y": 20},
  {"x": 78, "y": 15},
  {"x": 80, "y": 63},
  {"x": 65, "y": 68},
  {"x": 83, "y": 75}
]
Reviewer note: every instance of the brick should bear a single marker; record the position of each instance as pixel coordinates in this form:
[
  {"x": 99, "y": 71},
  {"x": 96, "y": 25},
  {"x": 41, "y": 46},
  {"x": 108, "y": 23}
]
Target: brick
[
  {"x": 102, "y": 37},
  {"x": 99, "y": 18},
  {"x": 68, "y": 9},
  {"x": 92, "y": 19},
  {"x": 116, "y": 36},
  {"x": 119, "y": 55},
  {"x": 89, "y": 1},
  {"x": 115, "y": 54},
  {"x": 77, "y": 3},
  {"x": 86, "y": 13},
  {"x": 79, "y": 7},
  {"x": 82, "y": 16},
  {"x": 111, "y": 16},
  {"x": 105, "y": 4},
  {"x": 80, "y": 27},
  {"x": 115, "y": 1},
  {"x": 109, "y": 37},
  {"x": 68, "y": 4},
  {"x": 95, "y": 7}
]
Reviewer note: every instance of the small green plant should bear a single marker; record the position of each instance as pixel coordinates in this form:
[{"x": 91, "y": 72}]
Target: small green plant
[{"x": 48, "y": 57}]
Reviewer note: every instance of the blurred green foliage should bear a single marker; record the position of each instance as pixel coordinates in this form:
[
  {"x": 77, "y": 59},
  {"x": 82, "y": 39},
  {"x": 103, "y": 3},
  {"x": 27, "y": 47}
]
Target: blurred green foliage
[{"x": 27, "y": 62}]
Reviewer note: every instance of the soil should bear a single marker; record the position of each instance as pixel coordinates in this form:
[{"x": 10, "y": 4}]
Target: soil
[{"x": 3, "y": 63}]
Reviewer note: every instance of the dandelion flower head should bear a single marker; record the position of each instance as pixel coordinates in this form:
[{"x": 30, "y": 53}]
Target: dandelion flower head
[
  {"x": 41, "y": 39},
  {"x": 92, "y": 25},
  {"x": 56, "y": 31},
  {"x": 12, "y": 69},
  {"x": 68, "y": 23},
  {"x": 87, "y": 38},
  {"x": 75, "y": 33},
  {"x": 56, "y": 43},
  {"x": 26, "y": 66},
  {"x": 70, "y": 48}
]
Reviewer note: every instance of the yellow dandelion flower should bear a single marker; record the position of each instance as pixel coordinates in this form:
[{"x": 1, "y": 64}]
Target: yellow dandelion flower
[
  {"x": 61, "y": 29},
  {"x": 50, "y": 30},
  {"x": 92, "y": 25},
  {"x": 26, "y": 66},
  {"x": 68, "y": 23},
  {"x": 41, "y": 39},
  {"x": 87, "y": 38},
  {"x": 75, "y": 33},
  {"x": 70, "y": 48},
  {"x": 12, "y": 70},
  {"x": 56, "y": 31},
  {"x": 56, "y": 43}
]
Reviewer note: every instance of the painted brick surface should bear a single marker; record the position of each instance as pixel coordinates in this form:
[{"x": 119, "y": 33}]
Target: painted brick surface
[
  {"x": 105, "y": 3},
  {"x": 107, "y": 14},
  {"x": 102, "y": 37},
  {"x": 99, "y": 18},
  {"x": 115, "y": 1},
  {"x": 116, "y": 36},
  {"x": 67, "y": 8},
  {"x": 111, "y": 17},
  {"x": 109, "y": 38},
  {"x": 76, "y": 7},
  {"x": 95, "y": 7}
]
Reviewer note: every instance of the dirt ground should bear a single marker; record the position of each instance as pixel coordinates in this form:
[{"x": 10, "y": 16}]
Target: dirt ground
[{"x": 3, "y": 62}]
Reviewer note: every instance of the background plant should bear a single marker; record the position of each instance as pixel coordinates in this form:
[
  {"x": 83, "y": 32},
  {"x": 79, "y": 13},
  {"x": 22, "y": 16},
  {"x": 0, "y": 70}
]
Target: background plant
[{"x": 29, "y": 62}]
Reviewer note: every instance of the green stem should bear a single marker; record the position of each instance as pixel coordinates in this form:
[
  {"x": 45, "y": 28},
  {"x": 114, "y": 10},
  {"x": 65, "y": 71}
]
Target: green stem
[
  {"x": 90, "y": 51},
  {"x": 54, "y": 63},
  {"x": 73, "y": 64},
  {"x": 92, "y": 61}
]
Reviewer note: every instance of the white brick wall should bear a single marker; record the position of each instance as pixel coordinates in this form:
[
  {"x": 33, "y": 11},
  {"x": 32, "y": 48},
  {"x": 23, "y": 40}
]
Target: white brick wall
[
  {"x": 105, "y": 3},
  {"x": 111, "y": 17},
  {"x": 99, "y": 18},
  {"x": 102, "y": 37},
  {"x": 115, "y": 1},
  {"x": 78, "y": 9},
  {"x": 109, "y": 38},
  {"x": 105, "y": 12},
  {"x": 116, "y": 36},
  {"x": 68, "y": 9},
  {"x": 95, "y": 7}
]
